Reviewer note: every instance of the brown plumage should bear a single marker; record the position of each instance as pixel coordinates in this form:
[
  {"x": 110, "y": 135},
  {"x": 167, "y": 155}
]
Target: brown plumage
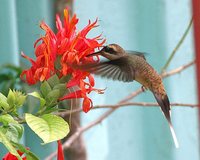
[{"x": 129, "y": 67}]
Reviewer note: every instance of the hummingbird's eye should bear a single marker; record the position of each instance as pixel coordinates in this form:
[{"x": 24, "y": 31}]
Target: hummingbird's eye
[{"x": 109, "y": 49}]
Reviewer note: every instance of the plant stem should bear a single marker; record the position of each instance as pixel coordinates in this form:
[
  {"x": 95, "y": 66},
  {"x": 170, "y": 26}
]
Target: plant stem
[{"x": 177, "y": 46}]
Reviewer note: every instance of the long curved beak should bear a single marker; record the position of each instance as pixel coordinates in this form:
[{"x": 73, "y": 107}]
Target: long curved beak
[{"x": 95, "y": 53}]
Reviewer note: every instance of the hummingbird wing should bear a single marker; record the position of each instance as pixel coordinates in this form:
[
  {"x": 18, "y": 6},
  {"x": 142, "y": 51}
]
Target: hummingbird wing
[
  {"x": 140, "y": 54},
  {"x": 117, "y": 69}
]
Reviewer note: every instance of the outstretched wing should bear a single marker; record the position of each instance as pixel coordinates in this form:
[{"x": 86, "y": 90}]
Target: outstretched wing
[
  {"x": 117, "y": 69},
  {"x": 140, "y": 54}
]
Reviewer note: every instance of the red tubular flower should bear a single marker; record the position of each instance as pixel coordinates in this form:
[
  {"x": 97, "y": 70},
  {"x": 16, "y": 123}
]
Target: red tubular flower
[
  {"x": 45, "y": 52},
  {"x": 66, "y": 47},
  {"x": 73, "y": 48},
  {"x": 60, "y": 154},
  {"x": 9, "y": 156}
]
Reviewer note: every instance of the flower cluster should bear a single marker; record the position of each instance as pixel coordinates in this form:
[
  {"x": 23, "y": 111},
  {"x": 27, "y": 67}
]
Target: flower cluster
[
  {"x": 10, "y": 156},
  {"x": 56, "y": 52}
]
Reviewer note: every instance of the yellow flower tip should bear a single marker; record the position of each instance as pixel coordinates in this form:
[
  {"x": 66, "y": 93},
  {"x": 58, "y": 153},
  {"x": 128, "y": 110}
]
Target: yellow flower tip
[{"x": 66, "y": 13}]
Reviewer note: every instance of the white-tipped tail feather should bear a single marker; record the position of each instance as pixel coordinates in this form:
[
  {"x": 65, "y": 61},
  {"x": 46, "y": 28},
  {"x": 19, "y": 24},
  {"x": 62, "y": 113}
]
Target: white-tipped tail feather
[
  {"x": 166, "y": 110},
  {"x": 174, "y": 136}
]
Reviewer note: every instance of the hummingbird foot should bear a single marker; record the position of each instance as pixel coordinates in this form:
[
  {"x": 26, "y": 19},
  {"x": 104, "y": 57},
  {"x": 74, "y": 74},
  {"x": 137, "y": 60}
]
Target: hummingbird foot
[{"x": 143, "y": 88}]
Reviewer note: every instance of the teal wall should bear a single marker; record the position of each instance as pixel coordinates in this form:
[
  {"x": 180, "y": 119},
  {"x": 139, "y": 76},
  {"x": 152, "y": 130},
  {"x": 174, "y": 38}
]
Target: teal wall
[
  {"x": 151, "y": 26},
  {"x": 18, "y": 31},
  {"x": 8, "y": 38},
  {"x": 138, "y": 133}
]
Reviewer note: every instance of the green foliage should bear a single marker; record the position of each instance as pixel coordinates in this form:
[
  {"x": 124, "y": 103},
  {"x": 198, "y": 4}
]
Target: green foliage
[
  {"x": 12, "y": 102},
  {"x": 48, "y": 127},
  {"x": 61, "y": 87},
  {"x": 45, "y": 88},
  {"x": 16, "y": 98},
  {"x": 37, "y": 95},
  {"x": 6, "y": 119},
  {"x": 52, "y": 97},
  {"x": 11, "y": 131},
  {"x": 50, "y": 92},
  {"x": 3, "y": 103},
  {"x": 7, "y": 143},
  {"x": 9, "y": 78},
  {"x": 54, "y": 80},
  {"x": 11, "y": 128},
  {"x": 29, "y": 155}
]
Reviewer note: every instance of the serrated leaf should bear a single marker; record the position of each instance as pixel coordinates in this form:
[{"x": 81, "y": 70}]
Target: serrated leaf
[
  {"x": 8, "y": 145},
  {"x": 37, "y": 95},
  {"x": 54, "y": 80},
  {"x": 53, "y": 96},
  {"x": 49, "y": 127},
  {"x": 45, "y": 88}
]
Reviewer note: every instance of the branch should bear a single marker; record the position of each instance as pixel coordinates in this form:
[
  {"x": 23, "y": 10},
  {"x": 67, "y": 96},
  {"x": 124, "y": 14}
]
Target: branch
[
  {"x": 177, "y": 70},
  {"x": 178, "y": 45},
  {"x": 124, "y": 101},
  {"x": 138, "y": 104}
]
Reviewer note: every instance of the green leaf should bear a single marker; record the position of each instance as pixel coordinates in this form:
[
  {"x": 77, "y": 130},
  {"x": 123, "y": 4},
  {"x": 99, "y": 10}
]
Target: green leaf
[
  {"x": 49, "y": 127},
  {"x": 45, "y": 88},
  {"x": 12, "y": 133},
  {"x": 6, "y": 119},
  {"x": 8, "y": 145},
  {"x": 65, "y": 79},
  {"x": 11, "y": 98},
  {"x": 11, "y": 128},
  {"x": 51, "y": 110},
  {"x": 54, "y": 80},
  {"x": 3, "y": 98},
  {"x": 15, "y": 99},
  {"x": 62, "y": 88},
  {"x": 37, "y": 95},
  {"x": 52, "y": 97},
  {"x": 3, "y": 102},
  {"x": 4, "y": 77},
  {"x": 19, "y": 128},
  {"x": 19, "y": 98}
]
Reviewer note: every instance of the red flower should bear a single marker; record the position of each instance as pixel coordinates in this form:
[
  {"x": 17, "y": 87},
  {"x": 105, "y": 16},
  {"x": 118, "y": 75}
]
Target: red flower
[
  {"x": 60, "y": 154},
  {"x": 66, "y": 47},
  {"x": 45, "y": 52},
  {"x": 9, "y": 156}
]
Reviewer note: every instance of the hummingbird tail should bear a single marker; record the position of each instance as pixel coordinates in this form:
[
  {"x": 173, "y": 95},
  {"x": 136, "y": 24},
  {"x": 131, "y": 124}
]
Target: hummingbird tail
[
  {"x": 163, "y": 101},
  {"x": 173, "y": 135}
]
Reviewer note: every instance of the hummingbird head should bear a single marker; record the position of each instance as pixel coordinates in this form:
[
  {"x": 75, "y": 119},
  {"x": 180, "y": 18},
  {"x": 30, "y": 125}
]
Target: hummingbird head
[{"x": 111, "y": 51}]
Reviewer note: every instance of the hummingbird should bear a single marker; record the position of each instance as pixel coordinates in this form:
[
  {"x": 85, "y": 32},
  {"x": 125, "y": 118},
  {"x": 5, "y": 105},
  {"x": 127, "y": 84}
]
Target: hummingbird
[{"x": 128, "y": 67}]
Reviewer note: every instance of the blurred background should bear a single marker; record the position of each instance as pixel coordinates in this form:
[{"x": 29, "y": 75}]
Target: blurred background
[{"x": 154, "y": 27}]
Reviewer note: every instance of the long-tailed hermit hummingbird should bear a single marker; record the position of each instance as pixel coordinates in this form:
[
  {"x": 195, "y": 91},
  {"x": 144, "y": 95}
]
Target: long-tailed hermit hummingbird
[{"x": 127, "y": 67}]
